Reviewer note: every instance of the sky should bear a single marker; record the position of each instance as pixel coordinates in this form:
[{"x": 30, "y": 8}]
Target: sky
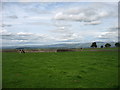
[{"x": 43, "y": 23}]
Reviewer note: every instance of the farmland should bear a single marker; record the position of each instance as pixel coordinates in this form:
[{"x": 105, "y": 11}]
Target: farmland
[{"x": 83, "y": 69}]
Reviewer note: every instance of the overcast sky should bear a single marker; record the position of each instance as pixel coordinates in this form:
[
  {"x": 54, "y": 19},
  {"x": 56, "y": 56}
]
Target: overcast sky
[{"x": 35, "y": 23}]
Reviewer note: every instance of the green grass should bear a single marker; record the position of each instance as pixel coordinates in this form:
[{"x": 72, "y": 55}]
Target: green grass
[{"x": 61, "y": 70}]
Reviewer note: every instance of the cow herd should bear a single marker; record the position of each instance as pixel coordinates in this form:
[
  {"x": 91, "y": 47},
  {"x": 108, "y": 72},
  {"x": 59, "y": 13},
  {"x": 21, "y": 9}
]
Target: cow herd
[
  {"x": 58, "y": 50},
  {"x": 21, "y": 51}
]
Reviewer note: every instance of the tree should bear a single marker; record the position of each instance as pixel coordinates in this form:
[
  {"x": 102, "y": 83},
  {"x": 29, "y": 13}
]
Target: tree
[
  {"x": 102, "y": 46},
  {"x": 94, "y": 45},
  {"x": 117, "y": 44},
  {"x": 107, "y": 45}
]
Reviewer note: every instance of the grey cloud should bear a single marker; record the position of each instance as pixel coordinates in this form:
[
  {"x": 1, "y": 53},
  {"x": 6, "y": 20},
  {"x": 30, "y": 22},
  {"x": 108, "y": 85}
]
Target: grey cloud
[
  {"x": 14, "y": 37},
  {"x": 112, "y": 34},
  {"x": 9, "y": 38},
  {"x": 6, "y": 25},
  {"x": 23, "y": 37},
  {"x": 58, "y": 24},
  {"x": 38, "y": 11},
  {"x": 68, "y": 36},
  {"x": 62, "y": 25},
  {"x": 61, "y": 30},
  {"x": 84, "y": 16},
  {"x": 107, "y": 36},
  {"x": 40, "y": 23},
  {"x": 71, "y": 41},
  {"x": 13, "y": 17},
  {"x": 93, "y": 23},
  {"x": 114, "y": 29}
]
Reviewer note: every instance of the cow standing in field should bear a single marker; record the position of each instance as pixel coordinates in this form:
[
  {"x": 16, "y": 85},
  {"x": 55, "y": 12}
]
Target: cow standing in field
[
  {"x": 21, "y": 51},
  {"x": 64, "y": 50}
]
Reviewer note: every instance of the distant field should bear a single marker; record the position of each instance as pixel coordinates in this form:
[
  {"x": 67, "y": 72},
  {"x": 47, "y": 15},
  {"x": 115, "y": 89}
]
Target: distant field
[
  {"x": 112, "y": 48},
  {"x": 83, "y": 69}
]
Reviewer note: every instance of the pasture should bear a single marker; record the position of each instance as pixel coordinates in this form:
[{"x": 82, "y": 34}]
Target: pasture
[{"x": 83, "y": 69}]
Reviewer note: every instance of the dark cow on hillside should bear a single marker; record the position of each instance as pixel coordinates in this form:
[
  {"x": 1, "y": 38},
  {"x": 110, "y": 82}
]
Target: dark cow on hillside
[{"x": 64, "y": 50}]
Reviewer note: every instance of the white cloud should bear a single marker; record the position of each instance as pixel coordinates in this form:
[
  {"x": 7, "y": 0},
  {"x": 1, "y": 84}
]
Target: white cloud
[
  {"x": 57, "y": 22},
  {"x": 61, "y": 24},
  {"x": 39, "y": 23},
  {"x": 66, "y": 37},
  {"x": 23, "y": 33},
  {"x": 81, "y": 14},
  {"x": 4, "y": 32},
  {"x": 111, "y": 34},
  {"x": 23, "y": 38},
  {"x": 60, "y": 30},
  {"x": 108, "y": 35},
  {"x": 103, "y": 14},
  {"x": 38, "y": 18},
  {"x": 93, "y": 23}
]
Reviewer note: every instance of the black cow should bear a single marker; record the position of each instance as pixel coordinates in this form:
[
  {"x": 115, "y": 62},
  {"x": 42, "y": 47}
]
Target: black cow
[
  {"x": 21, "y": 51},
  {"x": 63, "y": 50}
]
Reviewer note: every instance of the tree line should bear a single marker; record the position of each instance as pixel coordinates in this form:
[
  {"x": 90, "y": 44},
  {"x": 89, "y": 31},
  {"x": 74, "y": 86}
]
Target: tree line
[{"x": 94, "y": 45}]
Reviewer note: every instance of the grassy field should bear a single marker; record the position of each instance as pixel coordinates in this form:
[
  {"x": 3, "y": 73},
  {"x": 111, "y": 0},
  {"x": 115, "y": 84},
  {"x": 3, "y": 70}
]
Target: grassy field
[{"x": 84, "y": 69}]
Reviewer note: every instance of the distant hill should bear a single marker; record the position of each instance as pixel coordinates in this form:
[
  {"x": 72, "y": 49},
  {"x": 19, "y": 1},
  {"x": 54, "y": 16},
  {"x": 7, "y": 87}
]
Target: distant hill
[{"x": 74, "y": 45}]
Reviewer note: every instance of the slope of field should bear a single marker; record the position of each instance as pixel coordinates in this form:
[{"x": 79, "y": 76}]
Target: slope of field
[{"x": 83, "y": 69}]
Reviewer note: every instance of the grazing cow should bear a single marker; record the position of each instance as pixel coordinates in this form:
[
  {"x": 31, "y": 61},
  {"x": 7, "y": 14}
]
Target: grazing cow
[
  {"x": 81, "y": 49},
  {"x": 63, "y": 50},
  {"x": 21, "y": 51}
]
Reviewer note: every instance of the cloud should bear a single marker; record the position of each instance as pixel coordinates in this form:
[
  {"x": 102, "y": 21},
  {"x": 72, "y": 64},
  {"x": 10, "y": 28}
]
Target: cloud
[
  {"x": 12, "y": 17},
  {"x": 81, "y": 15},
  {"x": 61, "y": 24},
  {"x": 58, "y": 22},
  {"x": 39, "y": 23},
  {"x": 111, "y": 34},
  {"x": 67, "y": 37},
  {"x": 61, "y": 27},
  {"x": 6, "y": 25},
  {"x": 114, "y": 28},
  {"x": 61, "y": 30},
  {"x": 92, "y": 14},
  {"x": 71, "y": 36},
  {"x": 23, "y": 13},
  {"x": 93, "y": 23},
  {"x": 4, "y": 32},
  {"x": 64, "y": 34},
  {"x": 9, "y": 38},
  {"x": 38, "y": 18},
  {"x": 108, "y": 35},
  {"x": 14, "y": 36}
]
